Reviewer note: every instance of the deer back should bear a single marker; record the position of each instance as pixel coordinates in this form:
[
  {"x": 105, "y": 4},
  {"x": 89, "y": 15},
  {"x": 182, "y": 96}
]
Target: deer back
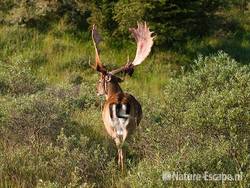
[{"x": 121, "y": 108}]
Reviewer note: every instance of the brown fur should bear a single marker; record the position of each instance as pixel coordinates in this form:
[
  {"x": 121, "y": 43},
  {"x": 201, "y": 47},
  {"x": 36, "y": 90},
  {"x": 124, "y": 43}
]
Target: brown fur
[
  {"x": 108, "y": 85},
  {"x": 135, "y": 113},
  {"x": 115, "y": 95}
]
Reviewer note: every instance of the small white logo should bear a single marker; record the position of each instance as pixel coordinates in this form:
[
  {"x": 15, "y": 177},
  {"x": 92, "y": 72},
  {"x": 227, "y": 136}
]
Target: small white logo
[
  {"x": 206, "y": 176},
  {"x": 166, "y": 176}
]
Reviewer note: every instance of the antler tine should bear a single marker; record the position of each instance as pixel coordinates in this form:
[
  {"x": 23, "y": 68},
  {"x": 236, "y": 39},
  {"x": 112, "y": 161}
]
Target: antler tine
[
  {"x": 144, "y": 42},
  {"x": 96, "y": 40}
]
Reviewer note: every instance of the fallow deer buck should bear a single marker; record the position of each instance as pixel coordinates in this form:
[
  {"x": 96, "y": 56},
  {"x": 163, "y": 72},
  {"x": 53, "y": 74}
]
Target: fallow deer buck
[{"x": 121, "y": 113}]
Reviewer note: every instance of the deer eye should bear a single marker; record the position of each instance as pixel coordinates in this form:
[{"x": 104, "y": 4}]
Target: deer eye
[{"x": 108, "y": 78}]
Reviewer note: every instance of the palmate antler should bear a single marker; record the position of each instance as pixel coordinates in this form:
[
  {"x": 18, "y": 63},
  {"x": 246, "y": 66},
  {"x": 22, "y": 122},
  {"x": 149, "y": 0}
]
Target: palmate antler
[
  {"x": 96, "y": 40},
  {"x": 144, "y": 42}
]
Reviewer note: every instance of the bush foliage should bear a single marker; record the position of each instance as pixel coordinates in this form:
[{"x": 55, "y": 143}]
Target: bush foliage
[
  {"x": 200, "y": 124},
  {"x": 173, "y": 20},
  {"x": 16, "y": 79}
]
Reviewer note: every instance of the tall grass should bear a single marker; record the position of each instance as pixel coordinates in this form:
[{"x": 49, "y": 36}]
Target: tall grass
[{"x": 58, "y": 57}]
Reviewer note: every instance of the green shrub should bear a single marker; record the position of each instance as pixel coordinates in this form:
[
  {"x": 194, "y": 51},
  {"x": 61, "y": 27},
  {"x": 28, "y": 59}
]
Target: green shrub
[
  {"x": 70, "y": 161},
  {"x": 41, "y": 142},
  {"x": 214, "y": 97},
  {"x": 200, "y": 124},
  {"x": 173, "y": 21},
  {"x": 127, "y": 14},
  {"x": 41, "y": 13},
  {"x": 36, "y": 117},
  {"x": 16, "y": 79},
  {"x": 42, "y": 115}
]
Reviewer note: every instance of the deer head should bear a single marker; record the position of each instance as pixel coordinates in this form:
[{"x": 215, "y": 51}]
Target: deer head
[{"x": 108, "y": 82}]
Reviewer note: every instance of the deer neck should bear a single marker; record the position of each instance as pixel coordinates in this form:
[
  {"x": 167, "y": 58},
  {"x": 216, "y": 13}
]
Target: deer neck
[{"x": 112, "y": 89}]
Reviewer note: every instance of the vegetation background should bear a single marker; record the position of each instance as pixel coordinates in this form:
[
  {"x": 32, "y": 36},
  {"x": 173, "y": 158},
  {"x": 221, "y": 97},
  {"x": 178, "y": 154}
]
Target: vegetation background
[{"x": 194, "y": 89}]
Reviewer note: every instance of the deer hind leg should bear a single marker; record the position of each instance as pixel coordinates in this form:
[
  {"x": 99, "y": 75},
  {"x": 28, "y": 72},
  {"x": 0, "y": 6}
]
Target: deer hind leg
[
  {"x": 120, "y": 159},
  {"x": 119, "y": 146}
]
